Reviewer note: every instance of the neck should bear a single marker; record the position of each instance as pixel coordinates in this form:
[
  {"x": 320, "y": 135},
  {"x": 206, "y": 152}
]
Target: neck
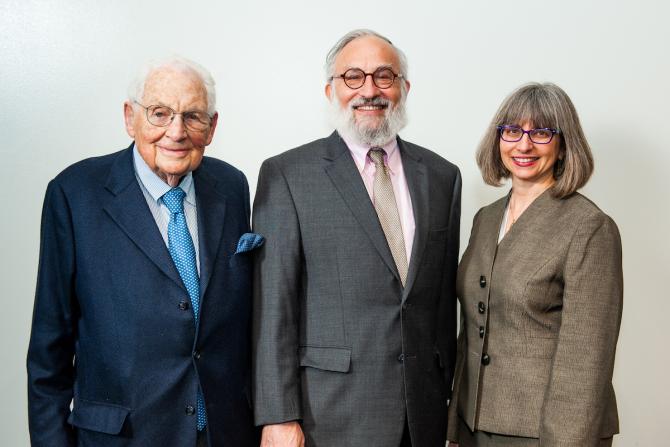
[
  {"x": 523, "y": 194},
  {"x": 171, "y": 179},
  {"x": 526, "y": 192}
]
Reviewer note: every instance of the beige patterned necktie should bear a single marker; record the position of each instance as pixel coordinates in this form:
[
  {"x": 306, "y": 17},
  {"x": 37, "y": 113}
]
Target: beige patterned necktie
[{"x": 387, "y": 211}]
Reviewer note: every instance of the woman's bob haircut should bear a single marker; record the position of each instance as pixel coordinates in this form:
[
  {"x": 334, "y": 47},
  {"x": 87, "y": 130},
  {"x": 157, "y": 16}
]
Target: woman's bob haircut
[{"x": 540, "y": 105}]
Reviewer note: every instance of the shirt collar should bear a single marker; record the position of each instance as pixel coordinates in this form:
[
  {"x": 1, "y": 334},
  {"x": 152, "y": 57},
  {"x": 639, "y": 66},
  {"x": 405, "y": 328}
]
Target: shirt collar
[
  {"x": 155, "y": 186},
  {"x": 360, "y": 155}
]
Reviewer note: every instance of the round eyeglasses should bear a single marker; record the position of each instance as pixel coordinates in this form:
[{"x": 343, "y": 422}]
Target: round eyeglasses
[
  {"x": 512, "y": 134},
  {"x": 354, "y": 78},
  {"x": 162, "y": 116}
]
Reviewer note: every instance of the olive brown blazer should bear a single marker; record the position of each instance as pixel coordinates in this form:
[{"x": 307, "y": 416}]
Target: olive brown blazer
[{"x": 540, "y": 318}]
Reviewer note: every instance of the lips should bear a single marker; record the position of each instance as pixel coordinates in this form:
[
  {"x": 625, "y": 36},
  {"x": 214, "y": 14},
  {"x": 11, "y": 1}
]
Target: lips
[
  {"x": 524, "y": 161},
  {"x": 370, "y": 108},
  {"x": 174, "y": 150},
  {"x": 375, "y": 104}
]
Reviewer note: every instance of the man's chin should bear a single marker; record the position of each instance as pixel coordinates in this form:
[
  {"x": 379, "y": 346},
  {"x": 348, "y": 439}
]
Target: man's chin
[{"x": 369, "y": 123}]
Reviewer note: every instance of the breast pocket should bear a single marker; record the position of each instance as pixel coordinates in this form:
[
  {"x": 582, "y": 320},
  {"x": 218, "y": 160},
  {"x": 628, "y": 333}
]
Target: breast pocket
[{"x": 240, "y": 261}]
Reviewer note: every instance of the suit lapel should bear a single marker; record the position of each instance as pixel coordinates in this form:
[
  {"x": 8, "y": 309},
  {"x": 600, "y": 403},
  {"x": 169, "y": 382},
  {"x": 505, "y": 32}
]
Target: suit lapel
[
  {"x": 490, "y": 227},
  {"x": 417, "y": 183},
  {"x": 129, "y": 210},
  {"x": 347, "y": 180},
  {"x": 211, "y": 216}
]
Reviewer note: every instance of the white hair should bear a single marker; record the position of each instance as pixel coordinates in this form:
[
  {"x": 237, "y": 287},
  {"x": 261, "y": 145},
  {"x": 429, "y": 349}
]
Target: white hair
[
  {"x": 178, "y": 63},
  {"x": 353, "y": 35}
]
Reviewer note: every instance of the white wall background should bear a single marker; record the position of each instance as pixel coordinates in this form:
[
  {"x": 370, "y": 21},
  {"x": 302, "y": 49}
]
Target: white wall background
[{"x": 65, "y": 66}]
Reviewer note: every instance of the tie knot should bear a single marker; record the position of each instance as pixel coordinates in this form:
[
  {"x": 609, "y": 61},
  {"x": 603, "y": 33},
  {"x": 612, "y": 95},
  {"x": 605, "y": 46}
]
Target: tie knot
[
  {"x": 376, "y": 154},
  {"x": 174, "y": 200}
]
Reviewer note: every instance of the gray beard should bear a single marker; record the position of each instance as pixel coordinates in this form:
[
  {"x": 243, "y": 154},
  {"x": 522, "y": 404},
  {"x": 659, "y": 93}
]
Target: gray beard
[{"x": 362, "y": 133}]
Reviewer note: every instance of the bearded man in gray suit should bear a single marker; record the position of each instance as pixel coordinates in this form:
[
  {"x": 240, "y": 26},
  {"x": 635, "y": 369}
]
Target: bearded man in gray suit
[{"x": 354, "y": 302}]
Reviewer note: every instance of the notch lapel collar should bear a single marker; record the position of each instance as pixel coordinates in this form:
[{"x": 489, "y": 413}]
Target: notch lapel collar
[
  {"x": 211, "y": 216},
  {"x": 417, "y": 183},
  {"x": 347, "y": 180},
  {"x": 129, "y": 210}
]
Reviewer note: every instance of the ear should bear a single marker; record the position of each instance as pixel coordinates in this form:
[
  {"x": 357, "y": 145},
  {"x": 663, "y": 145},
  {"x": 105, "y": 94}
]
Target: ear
[
  {"x": 212, "y": 128},
  {"x": 407, "y": 85},
  {"x": 328, "y": 90},
  {"x": 129, "y": 118}
]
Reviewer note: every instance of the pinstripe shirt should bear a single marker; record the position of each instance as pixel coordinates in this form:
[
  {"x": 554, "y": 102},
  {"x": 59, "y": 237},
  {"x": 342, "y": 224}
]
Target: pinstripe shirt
[{"x": 153, "y": 188}]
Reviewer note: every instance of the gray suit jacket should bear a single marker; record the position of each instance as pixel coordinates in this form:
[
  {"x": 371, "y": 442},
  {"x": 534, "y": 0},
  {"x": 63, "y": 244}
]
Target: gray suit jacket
[
  {"x": 339, "y": 344},
  {"x": 541, "y": 314}
]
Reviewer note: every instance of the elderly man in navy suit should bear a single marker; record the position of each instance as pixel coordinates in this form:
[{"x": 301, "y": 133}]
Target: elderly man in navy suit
[{"x": 140, "y": 332}]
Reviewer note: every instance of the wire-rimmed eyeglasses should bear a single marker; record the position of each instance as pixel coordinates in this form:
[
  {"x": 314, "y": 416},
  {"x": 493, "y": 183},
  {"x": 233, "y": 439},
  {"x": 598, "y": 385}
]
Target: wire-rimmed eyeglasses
[
  {"x": 512, "y": 134},
  {"x": 162, "y": 116},
  {"x": 354, "y": 78}
]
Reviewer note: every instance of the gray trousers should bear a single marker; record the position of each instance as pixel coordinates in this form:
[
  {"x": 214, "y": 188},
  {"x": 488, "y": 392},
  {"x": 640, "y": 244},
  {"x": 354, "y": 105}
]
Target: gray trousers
[{"x": 484, "y": 439}]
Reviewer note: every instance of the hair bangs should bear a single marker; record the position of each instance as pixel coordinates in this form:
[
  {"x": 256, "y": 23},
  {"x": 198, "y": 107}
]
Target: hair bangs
[{"x": 530, "y": 105}]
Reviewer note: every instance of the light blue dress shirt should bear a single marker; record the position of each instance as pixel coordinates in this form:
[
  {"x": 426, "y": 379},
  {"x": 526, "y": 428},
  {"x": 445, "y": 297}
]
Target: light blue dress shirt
[{"x": 153, "y": 188}]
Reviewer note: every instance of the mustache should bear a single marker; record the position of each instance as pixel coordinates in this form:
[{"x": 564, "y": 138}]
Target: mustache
[{"x": 374, "y": 101}]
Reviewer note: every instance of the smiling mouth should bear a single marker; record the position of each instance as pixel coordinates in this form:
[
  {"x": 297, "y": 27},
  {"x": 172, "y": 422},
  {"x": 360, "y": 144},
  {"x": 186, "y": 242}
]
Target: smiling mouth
[
  {"x": 370, "y": 108},
  {"x": 170, "y": 149},
  {"x": 524, "y": 161}
]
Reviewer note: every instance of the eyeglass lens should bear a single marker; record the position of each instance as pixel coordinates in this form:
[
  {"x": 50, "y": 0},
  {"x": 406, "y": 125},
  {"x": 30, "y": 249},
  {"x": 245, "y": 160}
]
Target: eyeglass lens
[
  {"x": 382, "y": 77},
  {"x": 162, "y": 116},
  {"x": 513, "y": 134}
]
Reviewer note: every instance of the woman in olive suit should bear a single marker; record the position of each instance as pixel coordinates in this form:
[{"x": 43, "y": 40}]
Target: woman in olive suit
[{"x": 541, "y": 289}]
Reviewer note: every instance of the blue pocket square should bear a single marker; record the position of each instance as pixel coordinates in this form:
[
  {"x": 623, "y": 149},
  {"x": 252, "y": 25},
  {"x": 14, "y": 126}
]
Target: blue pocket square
[{"x": 248, "y": 242}]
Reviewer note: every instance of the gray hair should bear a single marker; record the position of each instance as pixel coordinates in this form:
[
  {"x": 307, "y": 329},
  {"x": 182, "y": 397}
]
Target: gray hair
[
  {"x": 543, "y": 105},
  {"x": 178, "y": 63},
  {"x": 353, "y": 35}
]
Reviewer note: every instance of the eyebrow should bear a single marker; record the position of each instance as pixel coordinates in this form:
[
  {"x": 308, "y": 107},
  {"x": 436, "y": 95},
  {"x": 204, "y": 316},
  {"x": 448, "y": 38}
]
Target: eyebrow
[
  {"x": 349, "y": 67},
  {"x": 162, "y": 104}
]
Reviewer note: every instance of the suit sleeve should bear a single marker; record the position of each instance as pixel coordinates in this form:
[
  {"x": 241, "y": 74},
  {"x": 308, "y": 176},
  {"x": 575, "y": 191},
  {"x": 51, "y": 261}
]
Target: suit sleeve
[
  {"x": 447, "y": 310},
  {"x": 583, "y": 363},
  {"x": 461, "y": 349},
  {"x": 277, "y": 279},
  {"x": 52, "y": 339}
]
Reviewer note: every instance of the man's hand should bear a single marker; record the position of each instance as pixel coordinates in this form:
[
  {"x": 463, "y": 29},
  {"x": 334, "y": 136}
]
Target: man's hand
[{"x": 288, "y": 434}]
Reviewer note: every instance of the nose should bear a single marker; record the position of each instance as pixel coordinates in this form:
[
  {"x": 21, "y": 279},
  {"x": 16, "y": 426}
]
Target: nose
[
  {"x": 176, "y": 130},
  {"x": 369, "y": 89},
  {"x": 525, "y": 144}
]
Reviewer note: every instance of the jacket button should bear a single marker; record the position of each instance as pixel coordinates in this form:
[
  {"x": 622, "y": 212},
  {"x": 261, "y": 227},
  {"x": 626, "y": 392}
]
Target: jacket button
[
  {"x": 183, "y": 305},
  {"x": 482, "y": 307},
  {"x": 196, "y": 355},
  {"x": 481, "y": 331},
  {"x": 482, "y": 281},
  {"x": 401, "y": 358},
  {"x": 486, "y": 359},
  {"x": 190, "y": 410}
]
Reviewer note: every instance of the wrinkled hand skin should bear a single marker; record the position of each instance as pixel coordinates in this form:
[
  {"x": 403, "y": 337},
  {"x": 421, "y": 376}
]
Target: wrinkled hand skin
[{"x": 288, "y": 434}]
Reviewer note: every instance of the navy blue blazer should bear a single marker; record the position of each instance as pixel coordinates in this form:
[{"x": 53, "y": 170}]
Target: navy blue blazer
[{"x": 113, "y": 330}]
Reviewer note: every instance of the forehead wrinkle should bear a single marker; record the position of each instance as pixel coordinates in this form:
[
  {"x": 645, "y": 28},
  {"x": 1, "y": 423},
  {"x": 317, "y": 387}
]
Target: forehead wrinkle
[{"x": 174, "y": 89}]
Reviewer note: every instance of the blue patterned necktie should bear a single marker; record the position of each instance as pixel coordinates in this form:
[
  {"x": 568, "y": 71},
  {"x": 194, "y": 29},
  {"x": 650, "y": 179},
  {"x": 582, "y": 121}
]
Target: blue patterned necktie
[{"x": 182, "y": 251}]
